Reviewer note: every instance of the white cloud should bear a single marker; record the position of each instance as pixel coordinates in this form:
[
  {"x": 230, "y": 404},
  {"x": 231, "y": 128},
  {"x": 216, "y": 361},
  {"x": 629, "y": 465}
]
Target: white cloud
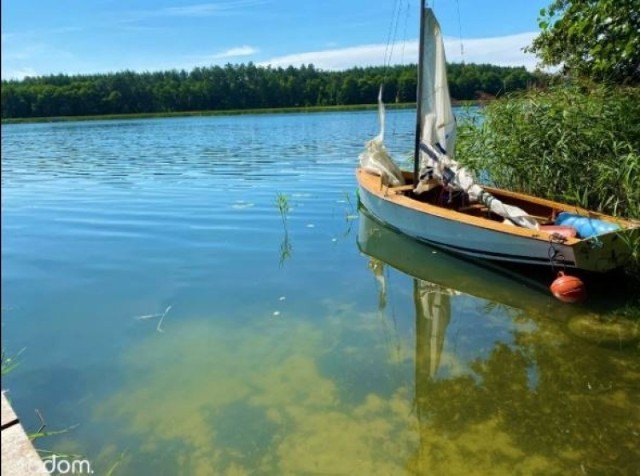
[
  {"x": 208, "y": 9},
  {"x": 235, "y": 52},
  {"x": 18, "y": 74},
  {"x": 334, "y": 59},
  {"x": 500, "y": 51},
  {"x": 21, "y": 58}
]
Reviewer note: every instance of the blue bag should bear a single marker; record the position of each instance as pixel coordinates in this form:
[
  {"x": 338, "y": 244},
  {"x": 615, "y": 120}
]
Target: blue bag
[{"x": 586, "y": 227}]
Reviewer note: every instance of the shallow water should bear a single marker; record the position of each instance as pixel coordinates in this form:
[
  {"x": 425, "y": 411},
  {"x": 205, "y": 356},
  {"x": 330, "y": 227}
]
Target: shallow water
[{"x": 159, "y": 301}]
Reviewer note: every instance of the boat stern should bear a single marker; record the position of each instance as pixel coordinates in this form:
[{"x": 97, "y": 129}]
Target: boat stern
[{"x": 606, "y": 252}]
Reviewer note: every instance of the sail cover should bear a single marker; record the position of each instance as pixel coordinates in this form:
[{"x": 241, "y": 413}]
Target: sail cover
[{"x": 438, "y": 130}]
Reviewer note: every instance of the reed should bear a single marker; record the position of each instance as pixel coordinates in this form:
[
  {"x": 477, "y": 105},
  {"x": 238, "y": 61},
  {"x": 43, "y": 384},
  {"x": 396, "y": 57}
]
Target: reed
[
  {"x": 576, "y": 143},
  {"x": 282, "y": 203},
  {"x": 9, "y": 363}
]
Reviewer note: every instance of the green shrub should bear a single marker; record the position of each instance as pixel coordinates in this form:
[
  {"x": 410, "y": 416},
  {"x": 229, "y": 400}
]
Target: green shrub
[{"x": 572, "y": 143}]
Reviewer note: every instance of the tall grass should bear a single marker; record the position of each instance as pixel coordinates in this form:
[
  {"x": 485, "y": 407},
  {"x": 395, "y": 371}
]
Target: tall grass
[{"x": 578, "y": 144}]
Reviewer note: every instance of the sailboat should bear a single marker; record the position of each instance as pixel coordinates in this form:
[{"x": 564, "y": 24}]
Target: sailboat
[{"x": 440, "y": 203}]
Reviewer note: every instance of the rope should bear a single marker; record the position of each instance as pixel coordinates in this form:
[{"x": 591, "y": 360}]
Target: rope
[
  {"x": 555, "y": 255},
  {"x": 404, "y": 39},
  {"x": 391, "y": 35},
  {"x": 460, "y": 32}
]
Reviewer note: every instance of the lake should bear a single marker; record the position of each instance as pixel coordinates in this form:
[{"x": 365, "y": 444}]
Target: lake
[{"x": 202, "y": 296}]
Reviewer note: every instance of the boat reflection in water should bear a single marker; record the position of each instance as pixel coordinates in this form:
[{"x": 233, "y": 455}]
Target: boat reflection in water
[
  {"x": 436, "y": 271},
  {"x": 499, "y": 380},
  {"x": 437, "y": 278}
]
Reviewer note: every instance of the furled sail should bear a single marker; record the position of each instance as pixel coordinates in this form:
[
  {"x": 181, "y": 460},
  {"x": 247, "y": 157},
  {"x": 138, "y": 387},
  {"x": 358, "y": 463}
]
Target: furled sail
[
  {"x": 438, "y": 130},
  {"x": 438, "y": 124},
  {"x": 376, "y": 159}
]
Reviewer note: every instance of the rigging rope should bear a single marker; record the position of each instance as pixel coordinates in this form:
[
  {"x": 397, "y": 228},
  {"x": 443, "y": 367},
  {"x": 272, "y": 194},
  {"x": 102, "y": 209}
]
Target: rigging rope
[
  {"x": 392, "y": 39},
  {"x": 460, "y": 33},
  {"x": 404, "y": 38},
  {"x": 391, "y": 36}
]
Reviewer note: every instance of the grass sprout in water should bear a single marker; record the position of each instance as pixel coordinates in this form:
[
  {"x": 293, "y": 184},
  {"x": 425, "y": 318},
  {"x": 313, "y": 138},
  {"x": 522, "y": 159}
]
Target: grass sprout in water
[
  {"x": 285, "y": 248},
  {"x": 10, "y": 363},
  {"x": 282, "y": 202},
  {"x": 350, "y": 213}
]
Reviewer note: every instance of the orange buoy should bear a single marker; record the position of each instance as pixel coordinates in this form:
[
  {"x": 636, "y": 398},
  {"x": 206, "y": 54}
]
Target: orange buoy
[{"x": 568, "y": 288}]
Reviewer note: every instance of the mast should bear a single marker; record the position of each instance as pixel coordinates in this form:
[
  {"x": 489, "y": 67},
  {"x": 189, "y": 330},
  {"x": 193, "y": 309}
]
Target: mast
[{"x": 416, "y": 151}]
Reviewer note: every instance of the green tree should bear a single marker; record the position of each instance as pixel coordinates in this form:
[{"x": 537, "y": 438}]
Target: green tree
[
  {"x": 597, "y": 39},
  {"x": 244, "y": 86}
]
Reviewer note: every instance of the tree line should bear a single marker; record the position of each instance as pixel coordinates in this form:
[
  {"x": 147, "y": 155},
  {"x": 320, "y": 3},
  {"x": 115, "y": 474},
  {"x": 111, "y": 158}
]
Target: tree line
[{"x": 243, "y": 86}]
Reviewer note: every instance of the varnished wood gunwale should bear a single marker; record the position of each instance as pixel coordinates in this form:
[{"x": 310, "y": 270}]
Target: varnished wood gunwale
[
  {"x": 373, "y": 184},
  {"x": 560, "y": 207}
]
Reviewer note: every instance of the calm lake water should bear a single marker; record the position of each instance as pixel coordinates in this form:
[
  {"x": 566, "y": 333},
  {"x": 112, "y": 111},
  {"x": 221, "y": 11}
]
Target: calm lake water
[{"x": 173, "y": 323}]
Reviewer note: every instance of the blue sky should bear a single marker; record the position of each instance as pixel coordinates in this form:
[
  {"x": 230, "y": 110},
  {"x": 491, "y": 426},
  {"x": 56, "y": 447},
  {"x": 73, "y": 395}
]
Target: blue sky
[{"x": 41, "y": 37}]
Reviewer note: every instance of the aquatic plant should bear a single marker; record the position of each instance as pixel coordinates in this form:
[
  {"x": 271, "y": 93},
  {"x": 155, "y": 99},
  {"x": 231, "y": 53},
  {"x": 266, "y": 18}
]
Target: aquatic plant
[
  {"x": 351, "y": 210},
  {"x": 9, "y": 363},
  {"x": 121, "y": 458},
  {"x": 577, "y": 143},
  {"x": 285, "y": 248},
  {"x": 282, "y": 202}
]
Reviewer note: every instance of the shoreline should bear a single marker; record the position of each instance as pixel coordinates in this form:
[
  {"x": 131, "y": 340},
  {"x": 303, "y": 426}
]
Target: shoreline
[{"x": 227, "y": 112}]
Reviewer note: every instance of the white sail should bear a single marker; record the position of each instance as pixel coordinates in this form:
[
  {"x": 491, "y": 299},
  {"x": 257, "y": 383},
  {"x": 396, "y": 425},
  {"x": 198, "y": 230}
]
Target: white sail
[
  {"x": 438, "y": 124},
  {"x": 376, "y": 159},
  {"x": 438, "y": 130}
]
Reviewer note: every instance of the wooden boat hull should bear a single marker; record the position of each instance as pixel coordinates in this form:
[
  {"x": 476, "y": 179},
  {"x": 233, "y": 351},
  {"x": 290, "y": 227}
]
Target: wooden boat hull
[
  {"x": 458, "y": 274},
  {"x": 488, "y": 239}
]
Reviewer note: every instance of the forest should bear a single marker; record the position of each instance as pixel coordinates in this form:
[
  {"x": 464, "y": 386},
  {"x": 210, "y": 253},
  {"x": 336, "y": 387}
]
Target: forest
[{"x": 243, "y": 86}]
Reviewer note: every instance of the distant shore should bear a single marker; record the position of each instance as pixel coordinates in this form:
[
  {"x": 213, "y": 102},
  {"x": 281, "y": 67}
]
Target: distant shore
[{"x": 229, "y": 112}]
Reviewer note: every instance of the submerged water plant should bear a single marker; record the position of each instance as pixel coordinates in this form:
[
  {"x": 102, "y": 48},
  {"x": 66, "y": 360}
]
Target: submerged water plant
[{"x": 9, "y": 363}]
